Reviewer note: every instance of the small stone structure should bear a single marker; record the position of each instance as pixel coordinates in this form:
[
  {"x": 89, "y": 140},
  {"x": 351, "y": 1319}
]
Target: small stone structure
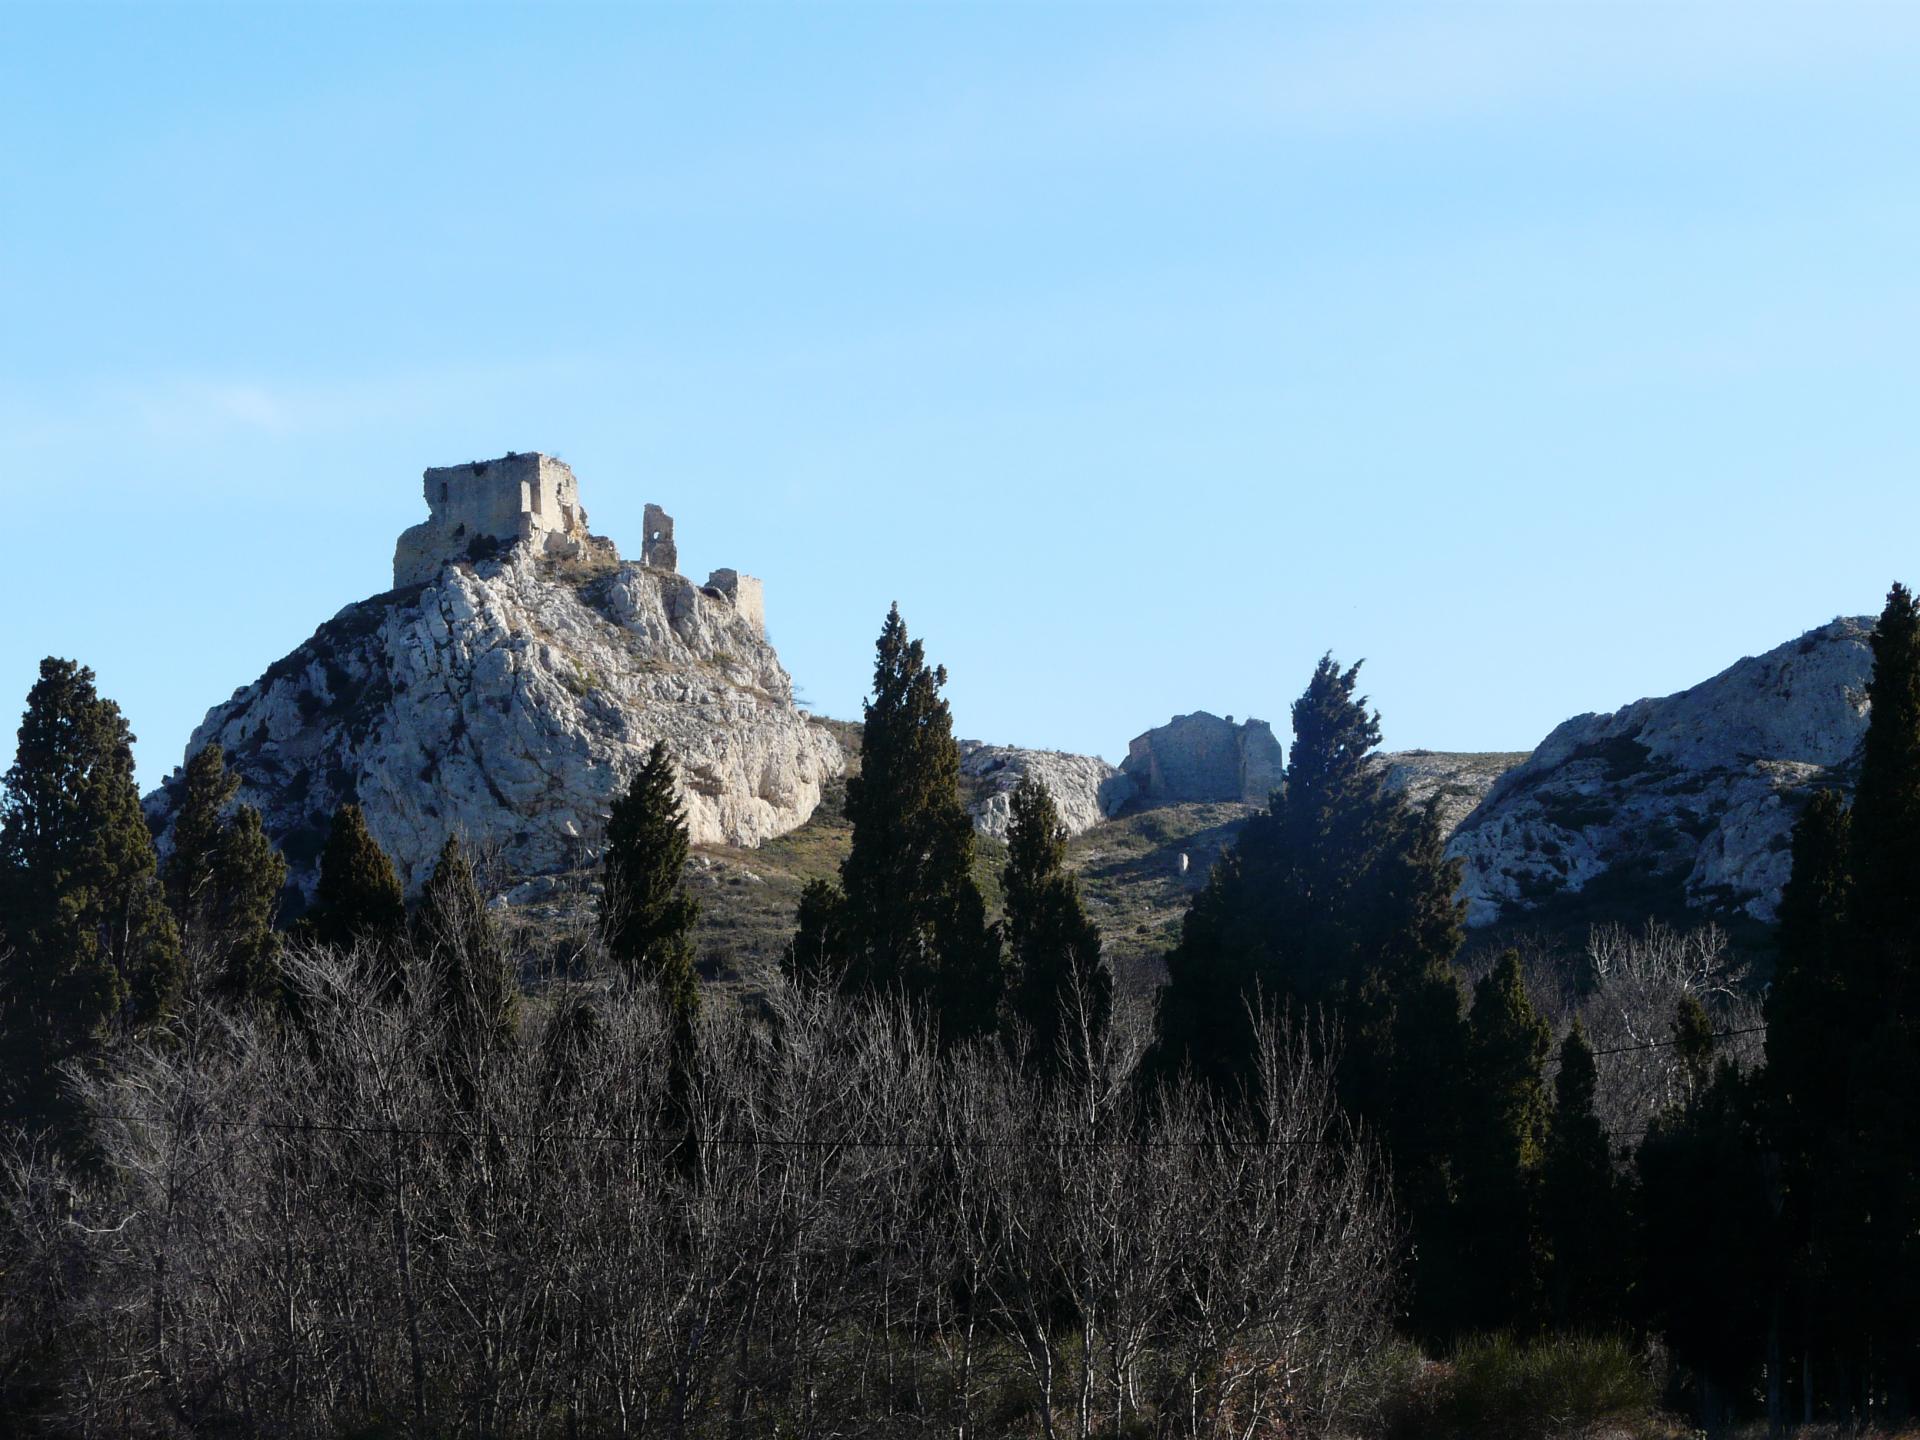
[
  {"x": 1202, "y": 757},
  {"x": 746, "y": 593},
  {"x": 481, "y": 506},
  {"x": 656, "y": 548}
]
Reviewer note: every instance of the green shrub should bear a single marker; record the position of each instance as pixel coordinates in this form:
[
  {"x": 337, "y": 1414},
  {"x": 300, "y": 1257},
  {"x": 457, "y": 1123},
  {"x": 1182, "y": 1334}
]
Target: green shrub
[{"x": 1499, "y": 1388}]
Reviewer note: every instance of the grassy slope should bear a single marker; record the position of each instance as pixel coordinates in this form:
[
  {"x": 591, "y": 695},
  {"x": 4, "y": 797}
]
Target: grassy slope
[
  {"x": 1129, "y": 875},
  {"x": 1129, "y": 870}
]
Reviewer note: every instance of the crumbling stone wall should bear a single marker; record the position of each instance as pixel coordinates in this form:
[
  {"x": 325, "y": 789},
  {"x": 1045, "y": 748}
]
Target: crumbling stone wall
[
  {"x": 657, "y": 548},
  {"x": 491, "y": 503},
  {"x": 1203, "y": 757},
  {"x": 746, "y": 593}
]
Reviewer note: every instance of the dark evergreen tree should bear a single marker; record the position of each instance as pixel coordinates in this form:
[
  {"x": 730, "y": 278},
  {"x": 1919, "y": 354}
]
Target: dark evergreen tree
[
  {"x": 646, "y": 913},
  {"x": 909, "y": 917},
  {"x": 475, "y": 985},
  {"x": 1878, "y": 1259},
  {"x": 1340, "y": 899},
  {"x": 1338, "y": 896},
  {"x": 358, "y": 899},
  {"x": 1707, "y": 1238},
  {"x": 816, "y": 954},
  {"x": 89, "y": 948},
  {"x": 1274, "y": 919},
  {"x": 1418, "y": 1115},
  {"x": 1058, "y": 983},
  {"x": 1582, "y": 1211},
  {"x": 1216, "y": 981},
  {"x": 1693, "y": 1042},
  {"x": 1812, "y": 1011},
  {"x": 1885, "y": 827},
  {"x": 1504, "y": 1125},
  {"x": 1815, "y": 1020},
  {"x": 223, "y": 878}
]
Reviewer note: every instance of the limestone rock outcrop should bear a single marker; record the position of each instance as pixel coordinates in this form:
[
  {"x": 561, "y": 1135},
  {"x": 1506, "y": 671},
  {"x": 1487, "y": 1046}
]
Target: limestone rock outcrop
[
  {"x": 1457, "y": 780},
  {"x": 1085, "y": 788},
  {"x": 1696, "y": 792},
  {"x": 1201, "y": 757},
  {"x": 507, "y": 700}
]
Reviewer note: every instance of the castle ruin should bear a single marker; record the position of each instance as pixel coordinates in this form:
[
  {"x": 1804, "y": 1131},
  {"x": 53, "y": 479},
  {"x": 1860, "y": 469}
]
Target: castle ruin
[
  {"x": 656, "y": 545},
  {"x": 477, "y": 509}
]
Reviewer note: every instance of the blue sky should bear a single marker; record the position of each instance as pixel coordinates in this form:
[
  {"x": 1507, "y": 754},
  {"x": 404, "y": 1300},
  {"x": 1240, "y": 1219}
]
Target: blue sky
[{"x": 1544, "y": 355}]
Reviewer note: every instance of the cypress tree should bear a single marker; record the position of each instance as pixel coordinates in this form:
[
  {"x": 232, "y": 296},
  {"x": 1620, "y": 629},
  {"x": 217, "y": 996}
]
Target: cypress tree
[
  {"x": 1885, "y": 828},
  {"x": 1707, "y": 1237},
  {"x": 1504, "y": 1127},
  {"x": 1057, "y": 981},
  {"x": 816, "y": 954},
  {"x": 1405, "y": 1064},
  {"x": 1416, "y": 1110},
  {"x": 91, "y": 947},
  {"x": 646, "y": 913},
  {"x": 1812, "y": 1014},
  {"x": 1340, "y": 898},
  {"x": 223, "y": 878},
  {"x": 1337, "y": 824},
  {"x": 358, "y": 897},
  {"x": 1339, "y": 895},
  {"x": 1215, "y": 980},
  {"x": 910, "y": 917},
  {"x": 1581, "y": 1213},
  {"x": 1815, "y": 1020},
  {"x": 1879, "y": 1269},
  {"x": 454, "y": 932}
]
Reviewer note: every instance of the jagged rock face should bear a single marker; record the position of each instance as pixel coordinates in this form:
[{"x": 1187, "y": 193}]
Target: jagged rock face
[
  {"x": 507, "y": 702},
  {"x": 1698, "y": 789},
  {"x": 1200, "y": 757},
  {"x": 1457, "y": 780},
  {"x": 1085, "y": 788}
]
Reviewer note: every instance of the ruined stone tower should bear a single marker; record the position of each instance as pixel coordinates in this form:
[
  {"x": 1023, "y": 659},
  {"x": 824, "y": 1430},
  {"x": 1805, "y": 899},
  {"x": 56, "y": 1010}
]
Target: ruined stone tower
[
  {"x": 656, "y": 546},
  {"x": 489, "y": 503}
]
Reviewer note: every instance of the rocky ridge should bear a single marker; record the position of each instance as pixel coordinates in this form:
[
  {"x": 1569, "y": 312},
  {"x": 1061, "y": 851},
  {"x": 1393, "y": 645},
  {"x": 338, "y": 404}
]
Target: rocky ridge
[
  {"x": 1085, "y": 789},
  {"x": 1693, "y": 794},
  {"x": 1457, "y": 781},
  {"x": 507, "y": 701}
]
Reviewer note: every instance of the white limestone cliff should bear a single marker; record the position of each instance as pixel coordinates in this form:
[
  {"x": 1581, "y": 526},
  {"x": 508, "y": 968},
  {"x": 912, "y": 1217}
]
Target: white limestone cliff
[
  {"x": 1085, "y": 788},
  {"x": 1696, "y": 792},
  {"x": 507, "y": 701}
]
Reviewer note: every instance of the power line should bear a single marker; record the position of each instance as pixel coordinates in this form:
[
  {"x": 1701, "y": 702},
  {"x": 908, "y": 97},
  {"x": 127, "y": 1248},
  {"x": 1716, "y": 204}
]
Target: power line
[
  {"x": 845, "y": 1142},
  {"x": 1661, "y": 1044}
]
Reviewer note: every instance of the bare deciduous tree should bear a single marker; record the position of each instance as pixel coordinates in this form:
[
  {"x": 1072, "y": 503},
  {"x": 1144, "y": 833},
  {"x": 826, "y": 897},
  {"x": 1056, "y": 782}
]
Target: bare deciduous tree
[{"x": 361, "y": 1212}]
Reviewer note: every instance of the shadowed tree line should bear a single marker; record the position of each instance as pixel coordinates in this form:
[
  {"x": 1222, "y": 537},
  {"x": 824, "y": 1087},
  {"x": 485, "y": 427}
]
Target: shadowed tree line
[{"x": 943, "y": 1177}]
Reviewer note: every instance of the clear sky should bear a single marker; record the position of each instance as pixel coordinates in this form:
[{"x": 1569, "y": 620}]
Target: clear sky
[{"x": 1546, "y": 356}]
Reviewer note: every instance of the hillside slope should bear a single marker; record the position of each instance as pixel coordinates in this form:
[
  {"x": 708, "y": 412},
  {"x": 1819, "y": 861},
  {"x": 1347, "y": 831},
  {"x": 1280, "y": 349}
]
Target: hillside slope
[
  {"x": 506, "y": 701},
  {"x": 1682, "y": 803}
]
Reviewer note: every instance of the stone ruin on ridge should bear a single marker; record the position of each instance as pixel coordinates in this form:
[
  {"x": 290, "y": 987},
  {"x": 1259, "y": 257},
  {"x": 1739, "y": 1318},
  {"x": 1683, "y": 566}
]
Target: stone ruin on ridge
[{"x": 477, "y": 509}]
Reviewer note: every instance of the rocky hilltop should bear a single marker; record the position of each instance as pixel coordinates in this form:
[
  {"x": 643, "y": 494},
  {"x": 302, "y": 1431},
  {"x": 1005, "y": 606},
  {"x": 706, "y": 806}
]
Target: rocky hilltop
[
  {"x": 1085, "y": 788},
  {"x": 510, "y": 695},
  {"x": 1690, "y": 798}
]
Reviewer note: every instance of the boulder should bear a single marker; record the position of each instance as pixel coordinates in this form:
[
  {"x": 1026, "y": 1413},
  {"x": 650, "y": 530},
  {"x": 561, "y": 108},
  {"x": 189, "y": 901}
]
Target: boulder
[{"x": 1085, "y": 788}]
